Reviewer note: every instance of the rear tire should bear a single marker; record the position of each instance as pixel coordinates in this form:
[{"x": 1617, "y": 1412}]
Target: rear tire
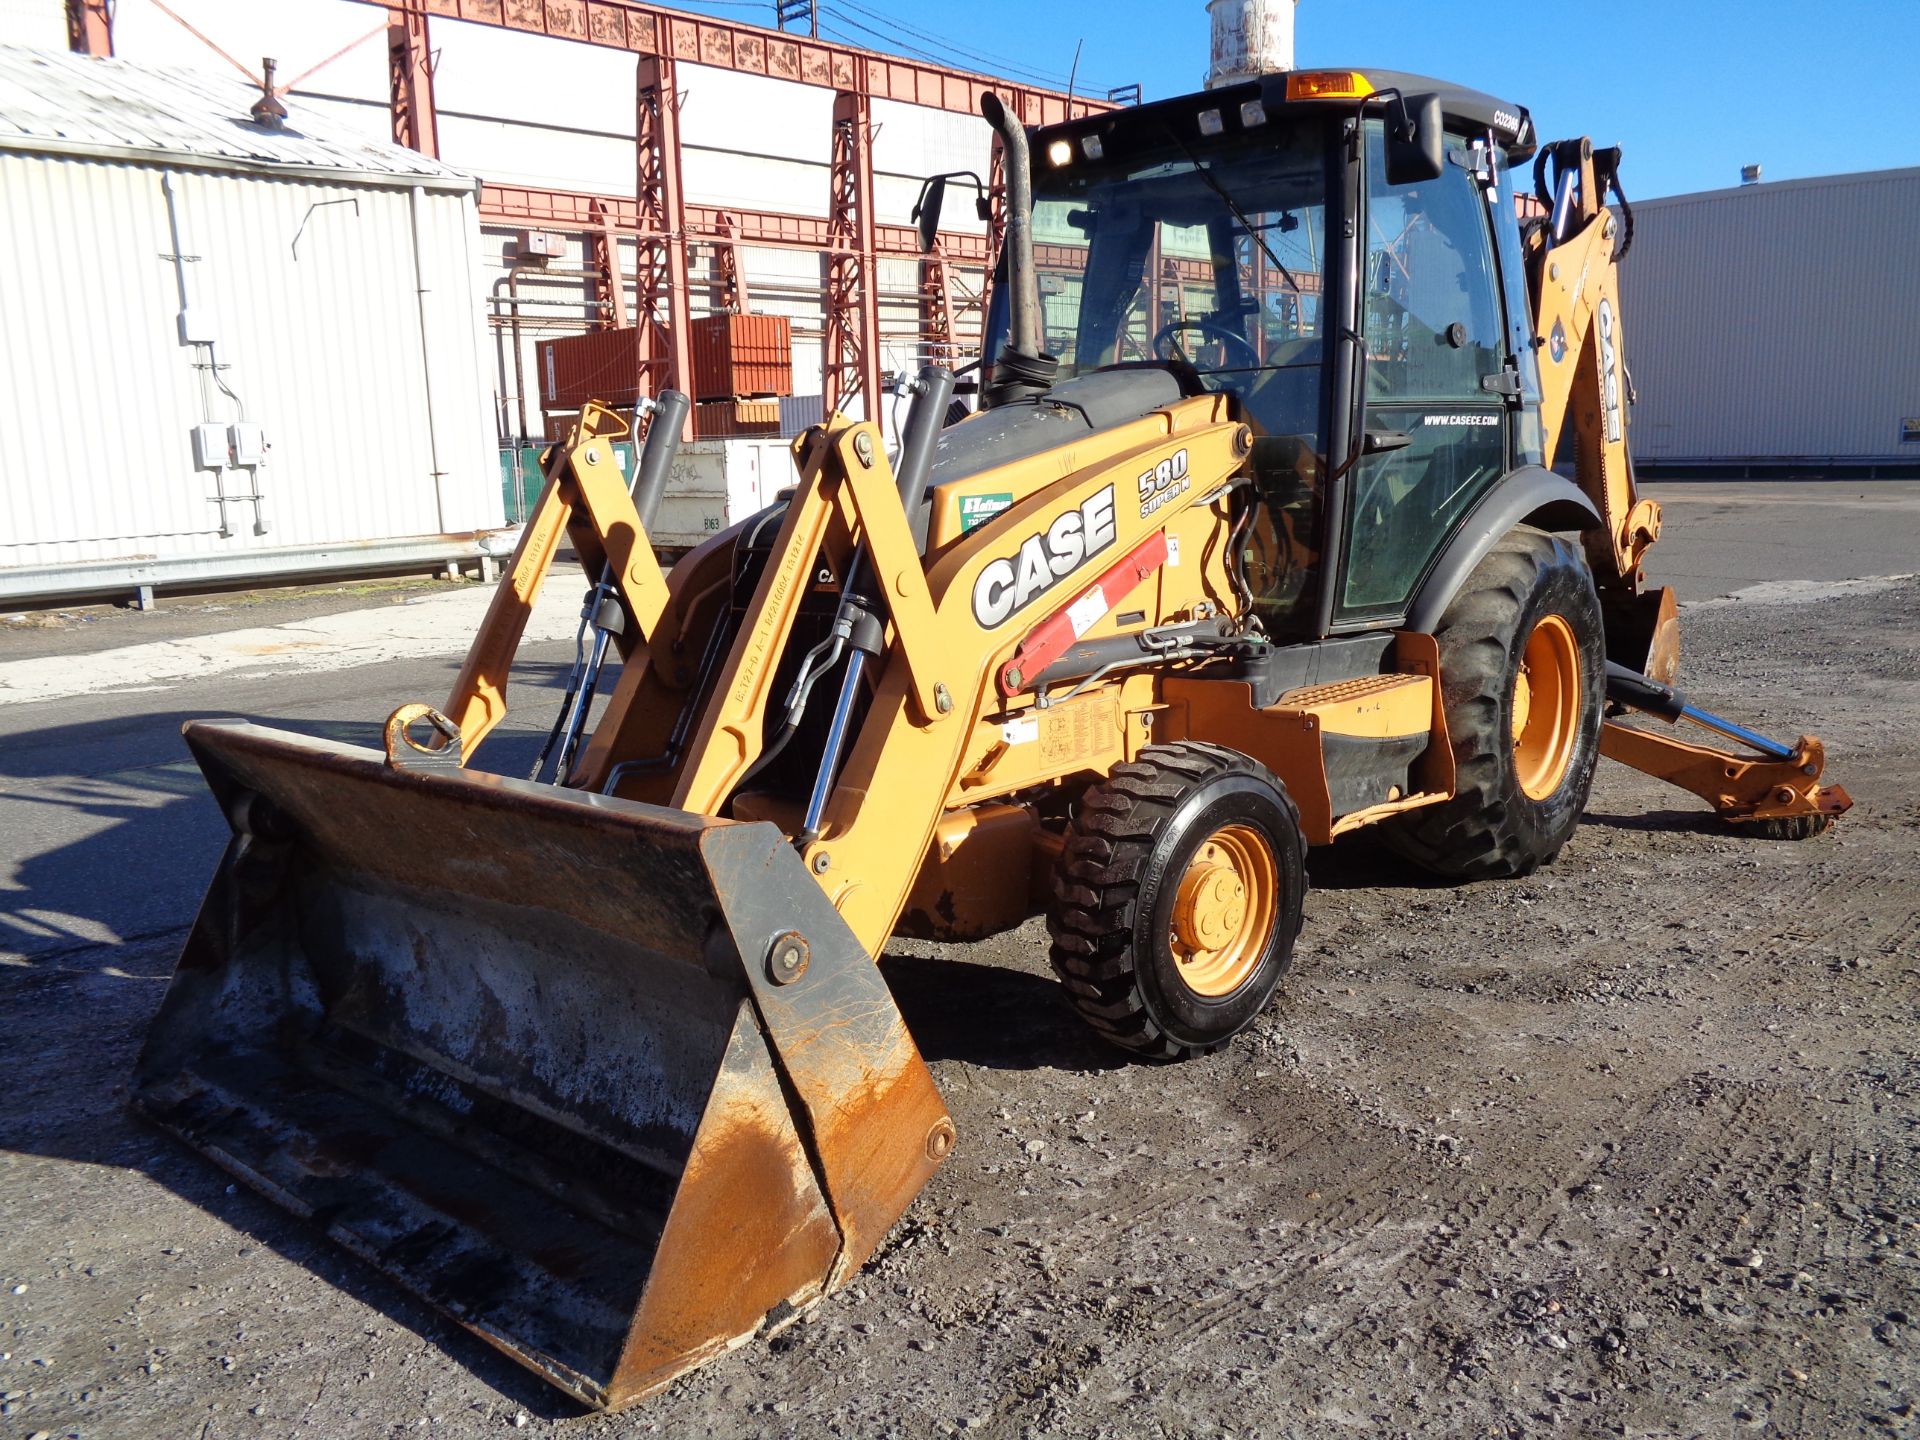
[
  {"x": 1523, "y": 675},
  {"x": 1177, "y": 899}
]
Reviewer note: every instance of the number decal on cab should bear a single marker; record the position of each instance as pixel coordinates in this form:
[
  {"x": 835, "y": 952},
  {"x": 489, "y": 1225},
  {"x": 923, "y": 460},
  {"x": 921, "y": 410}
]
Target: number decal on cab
[{"x": 1163, "y": 484}]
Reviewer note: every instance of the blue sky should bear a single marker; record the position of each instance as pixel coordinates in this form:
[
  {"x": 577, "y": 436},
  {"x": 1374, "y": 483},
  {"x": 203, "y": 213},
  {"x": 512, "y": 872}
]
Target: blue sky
[{"x": 1693, "y": 89}]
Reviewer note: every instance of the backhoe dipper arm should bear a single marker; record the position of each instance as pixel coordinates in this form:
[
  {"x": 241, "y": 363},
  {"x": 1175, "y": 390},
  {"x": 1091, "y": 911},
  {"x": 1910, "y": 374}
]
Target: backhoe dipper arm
[{"x": 1575, "y": 279}]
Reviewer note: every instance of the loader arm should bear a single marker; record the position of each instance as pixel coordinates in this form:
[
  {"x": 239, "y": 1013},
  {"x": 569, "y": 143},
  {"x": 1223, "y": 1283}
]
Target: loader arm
[{"x": 585, "y": 499}]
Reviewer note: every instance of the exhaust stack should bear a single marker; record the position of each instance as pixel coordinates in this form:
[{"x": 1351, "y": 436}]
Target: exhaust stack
[
  {"x": 1250, "y": 37},
  {"x": 1022, "y": 367}
]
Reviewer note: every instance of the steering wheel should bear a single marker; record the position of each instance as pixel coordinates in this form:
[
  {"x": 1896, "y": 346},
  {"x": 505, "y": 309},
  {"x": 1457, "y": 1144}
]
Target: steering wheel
[{"x": 1235, "y": 342}]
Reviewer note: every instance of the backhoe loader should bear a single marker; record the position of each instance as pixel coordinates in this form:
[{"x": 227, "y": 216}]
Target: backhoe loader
[{"x": 1252, "y": 543}]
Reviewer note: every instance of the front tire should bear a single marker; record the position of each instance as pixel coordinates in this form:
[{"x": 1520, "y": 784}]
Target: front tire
[
  {"x": 1523, "y": 676},
  {"x": 1177, "y": 899}
]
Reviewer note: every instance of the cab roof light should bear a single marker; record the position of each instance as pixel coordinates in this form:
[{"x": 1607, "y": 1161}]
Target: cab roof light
[
  {"x": 1252, "y": 113},
  {"x": 1060, "y": 152},
  {"x": 1210, "y": 123},
  {"x": 1328, "y": 85},
  {"x": 1091, "y": 147}
]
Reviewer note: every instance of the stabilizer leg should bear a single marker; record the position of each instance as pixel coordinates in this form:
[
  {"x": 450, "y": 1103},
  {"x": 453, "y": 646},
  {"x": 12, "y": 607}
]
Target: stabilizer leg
[{"x": 1776, "y": 793}]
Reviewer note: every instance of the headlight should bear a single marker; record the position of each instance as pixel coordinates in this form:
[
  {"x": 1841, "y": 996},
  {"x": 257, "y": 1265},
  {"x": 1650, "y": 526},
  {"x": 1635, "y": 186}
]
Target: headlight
[{"x": 1060, "y": 152}]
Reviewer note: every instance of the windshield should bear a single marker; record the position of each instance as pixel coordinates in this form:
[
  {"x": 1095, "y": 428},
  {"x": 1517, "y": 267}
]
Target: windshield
[{"x": 1214, "y": 258}]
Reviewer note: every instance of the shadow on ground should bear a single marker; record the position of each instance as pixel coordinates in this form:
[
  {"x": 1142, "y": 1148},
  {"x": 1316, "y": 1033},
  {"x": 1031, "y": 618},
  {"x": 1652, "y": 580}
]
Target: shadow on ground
[
  {"x": 112, "y": 835},
  {"x": 992, "y": 1016},
  {"x": 1678, "y": 822}
]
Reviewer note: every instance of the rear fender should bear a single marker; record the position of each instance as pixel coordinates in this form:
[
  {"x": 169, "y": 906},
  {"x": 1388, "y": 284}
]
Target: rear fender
[{"x": 1529, "y": 496}]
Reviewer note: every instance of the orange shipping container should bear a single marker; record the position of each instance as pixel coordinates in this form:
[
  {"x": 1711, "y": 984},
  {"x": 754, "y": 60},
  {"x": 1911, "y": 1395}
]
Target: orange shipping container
[
  {"x": 600, "y": 365},
  {"x": 715, "y": 420},
  {"x": 735, "y": 356}
]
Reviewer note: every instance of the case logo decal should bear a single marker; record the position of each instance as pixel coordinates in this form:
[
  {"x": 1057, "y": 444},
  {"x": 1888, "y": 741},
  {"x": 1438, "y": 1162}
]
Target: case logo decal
[
  {"x": 1610, "y": 374},
  {"x": 1044, "y": 559}
]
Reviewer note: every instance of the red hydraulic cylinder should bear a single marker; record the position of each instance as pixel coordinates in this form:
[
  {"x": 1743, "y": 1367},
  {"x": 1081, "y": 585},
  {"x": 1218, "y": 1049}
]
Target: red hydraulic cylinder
[{"x": 1055, "y": 635}]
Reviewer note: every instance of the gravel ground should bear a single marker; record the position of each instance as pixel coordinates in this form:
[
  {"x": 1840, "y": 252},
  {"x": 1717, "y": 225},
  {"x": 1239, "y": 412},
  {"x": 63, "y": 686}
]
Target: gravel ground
[{"x": 1625, "y": 1148}]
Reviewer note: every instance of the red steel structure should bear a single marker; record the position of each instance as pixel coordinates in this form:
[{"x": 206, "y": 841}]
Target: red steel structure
[
  {"x": 936, "y": 309},
  {"x": 665, "y": 309},
  {"x": 609, "y": 290},
  {"x": 851, "y": 363},
  {"x": 90, "y": 26},
  {"x": 410, "y": 71},
  {"x": 850, "y": 238},
  {"x": 664, "y": 225},
  {"x": 729, "y": 278}
]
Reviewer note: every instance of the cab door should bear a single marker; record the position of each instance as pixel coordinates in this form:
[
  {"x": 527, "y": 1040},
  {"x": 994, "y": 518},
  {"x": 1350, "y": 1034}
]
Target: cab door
[{"x": 1432, "y": 328}]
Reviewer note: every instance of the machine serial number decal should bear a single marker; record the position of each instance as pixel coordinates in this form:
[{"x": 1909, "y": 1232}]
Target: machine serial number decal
[
  {"x": 1610, "y": 374},
  {"x": 1043, "y": 559},
  {"x": 1164, "y": 484}
]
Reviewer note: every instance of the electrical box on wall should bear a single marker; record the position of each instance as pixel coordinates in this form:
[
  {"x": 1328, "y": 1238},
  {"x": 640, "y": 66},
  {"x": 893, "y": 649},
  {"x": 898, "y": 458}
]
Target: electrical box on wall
[
  {"x": 209, "y": 447},
  {"x": 541, "y": 244},
  {"x": 246, "y": 444},
  {"x": 197, "y": 327}
]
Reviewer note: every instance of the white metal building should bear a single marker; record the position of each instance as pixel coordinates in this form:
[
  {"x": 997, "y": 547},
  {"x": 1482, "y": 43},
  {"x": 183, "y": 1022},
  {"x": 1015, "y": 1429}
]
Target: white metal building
[
  {"x": 231, "y": 351},
  {"x": 1771, "y": 328}
]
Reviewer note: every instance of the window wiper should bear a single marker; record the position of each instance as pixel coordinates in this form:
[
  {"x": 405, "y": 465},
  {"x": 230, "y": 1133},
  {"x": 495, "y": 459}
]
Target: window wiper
[{"x": 1238, "y": 214}]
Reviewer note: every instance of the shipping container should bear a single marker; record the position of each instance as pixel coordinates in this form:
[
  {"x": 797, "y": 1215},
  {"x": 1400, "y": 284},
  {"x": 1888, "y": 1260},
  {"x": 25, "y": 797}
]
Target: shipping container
[
  {"x": 715, "y": 419},
  {"x": 1770, "y": 328},
  {"x": 742, "y": 356},
  {"x": 601, "y": 365},
  {"x": 717, "y": 483}
]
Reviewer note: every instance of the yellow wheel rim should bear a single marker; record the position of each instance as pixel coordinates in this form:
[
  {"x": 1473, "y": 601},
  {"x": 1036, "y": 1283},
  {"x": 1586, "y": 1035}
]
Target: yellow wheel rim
[
  {"x": 1224, "y": 910},
  {"x": 1546, "y": 707}
]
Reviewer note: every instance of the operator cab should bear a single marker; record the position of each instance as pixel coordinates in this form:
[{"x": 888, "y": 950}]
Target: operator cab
[{"x": 1339, "y": 253}]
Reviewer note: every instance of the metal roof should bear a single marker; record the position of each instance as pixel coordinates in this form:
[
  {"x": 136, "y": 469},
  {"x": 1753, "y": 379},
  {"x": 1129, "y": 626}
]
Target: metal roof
[
  {"x": 1764, "y": 188},
  {"x": 56, "y": 103}
]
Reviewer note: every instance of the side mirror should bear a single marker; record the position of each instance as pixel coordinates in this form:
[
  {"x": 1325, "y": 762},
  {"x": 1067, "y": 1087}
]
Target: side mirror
[
  {"x": 1416, "y": 141},
  {"x": 926, "y": 211}
]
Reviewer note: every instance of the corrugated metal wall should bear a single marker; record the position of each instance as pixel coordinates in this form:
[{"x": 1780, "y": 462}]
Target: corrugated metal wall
[
  {"x": 324, "y": 347},
  {"x": 1777, "y": 320}
]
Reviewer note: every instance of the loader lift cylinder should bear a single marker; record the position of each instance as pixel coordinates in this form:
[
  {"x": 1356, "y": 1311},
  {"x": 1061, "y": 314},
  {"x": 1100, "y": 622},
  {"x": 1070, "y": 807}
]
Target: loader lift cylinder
[
  {"x": 659, "y": 452},
  {"x": 601, "y": 612},
  {"x": 919, "y": 437}
]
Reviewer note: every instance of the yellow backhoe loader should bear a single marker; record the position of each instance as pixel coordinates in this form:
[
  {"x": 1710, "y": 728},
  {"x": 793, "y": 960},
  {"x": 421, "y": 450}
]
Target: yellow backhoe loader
[{"x": 1252, "y": 543}]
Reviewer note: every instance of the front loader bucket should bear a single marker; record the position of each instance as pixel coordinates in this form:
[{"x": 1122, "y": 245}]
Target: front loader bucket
[{"x": 611, "y": 1084}]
